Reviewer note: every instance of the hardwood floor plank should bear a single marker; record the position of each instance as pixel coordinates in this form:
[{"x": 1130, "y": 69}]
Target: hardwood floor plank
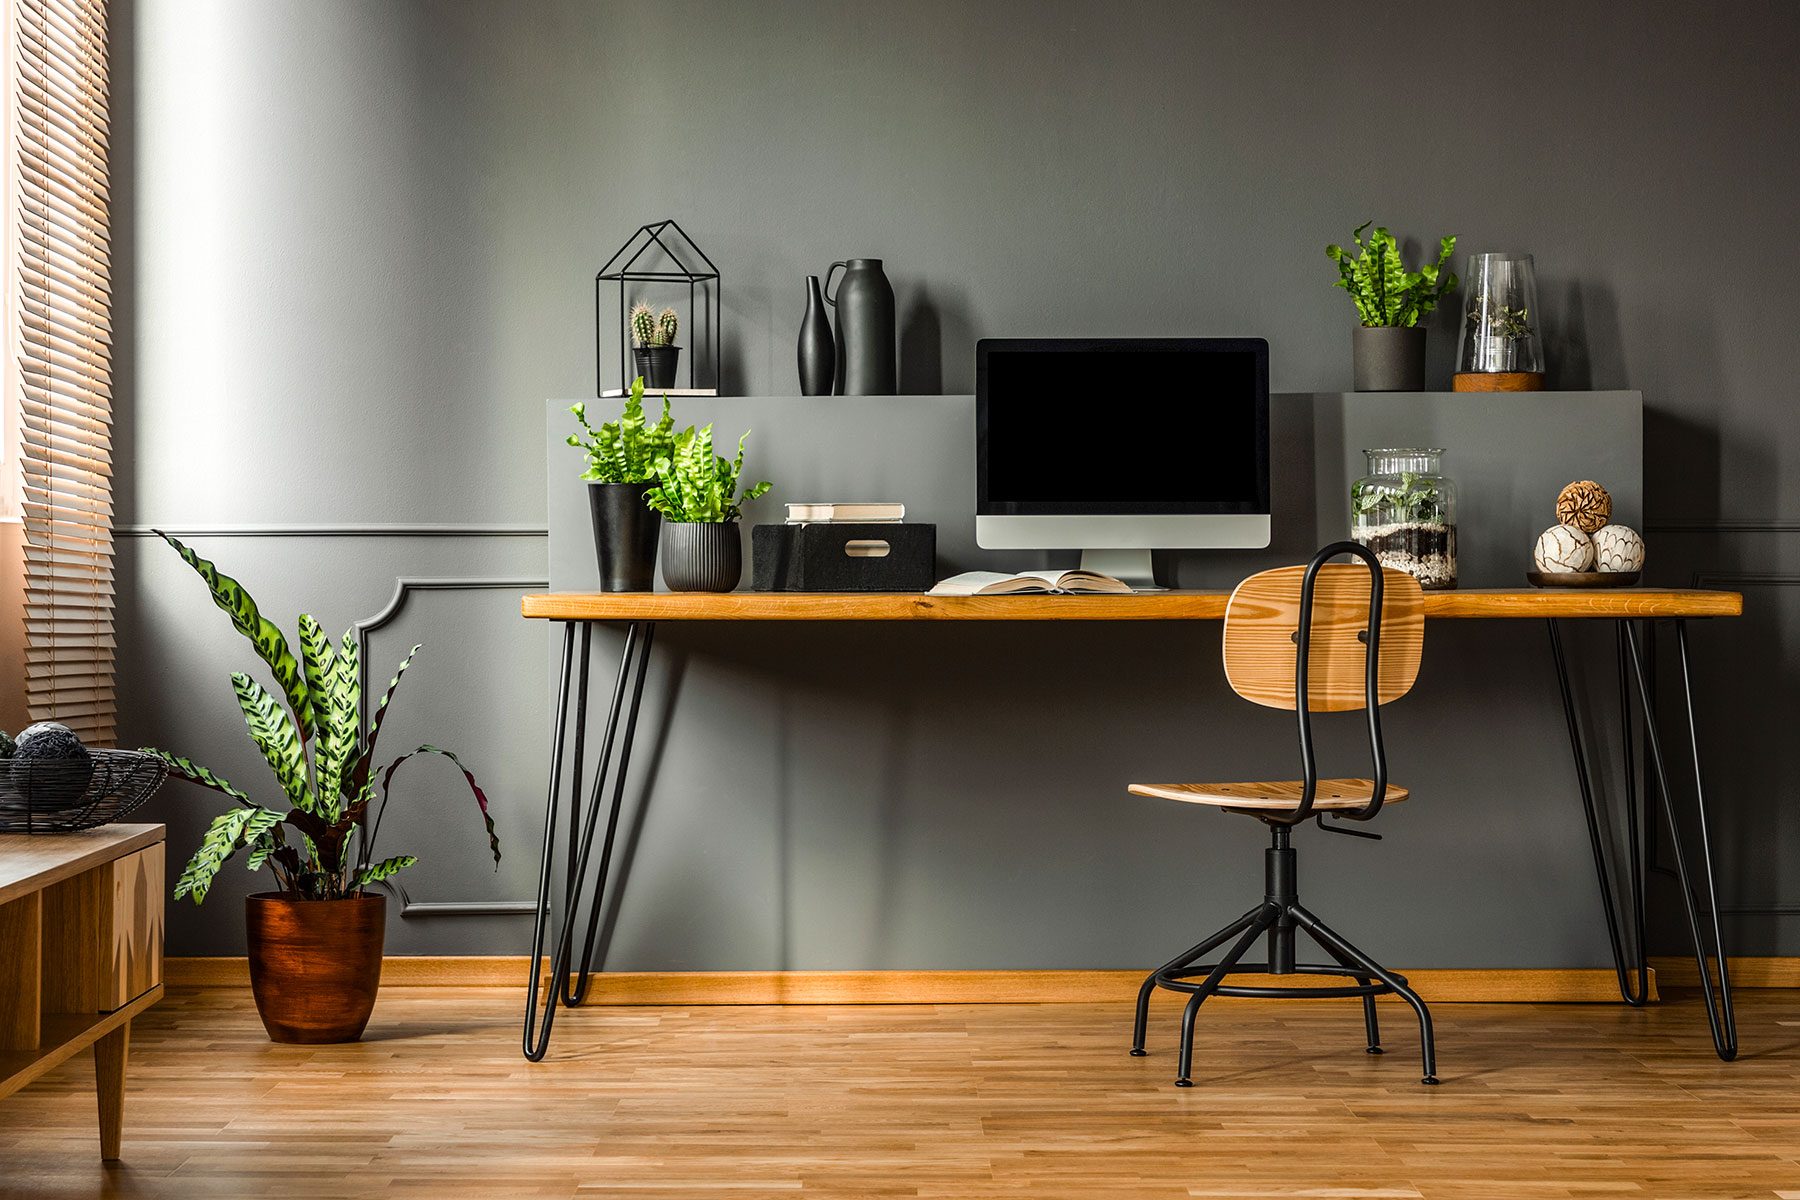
[{"x": 952, "y": 1102}]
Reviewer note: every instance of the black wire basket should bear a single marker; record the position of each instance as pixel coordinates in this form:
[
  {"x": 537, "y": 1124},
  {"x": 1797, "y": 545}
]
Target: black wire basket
[{"x": 59, "y": 795}]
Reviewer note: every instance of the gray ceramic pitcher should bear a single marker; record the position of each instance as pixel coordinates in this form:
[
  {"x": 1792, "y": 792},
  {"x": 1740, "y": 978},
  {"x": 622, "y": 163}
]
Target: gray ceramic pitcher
[{"x": 865, "y": 327}]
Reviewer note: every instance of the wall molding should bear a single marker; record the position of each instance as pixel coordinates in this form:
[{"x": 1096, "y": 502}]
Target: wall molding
[
  {"x": 1727, "y": 525},
  {"x": 1596, "y": 985},
  {"x": 376, "y": 529},
  {"x": 404, "y": 587}
]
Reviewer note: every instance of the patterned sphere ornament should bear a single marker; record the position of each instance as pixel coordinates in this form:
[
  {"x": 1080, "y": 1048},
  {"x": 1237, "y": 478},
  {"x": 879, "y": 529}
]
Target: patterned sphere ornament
[
  {"x": 1563, "y": 550},
  {"x": 1585, "y": 505},
  {"x": 1618, "y": 548}
]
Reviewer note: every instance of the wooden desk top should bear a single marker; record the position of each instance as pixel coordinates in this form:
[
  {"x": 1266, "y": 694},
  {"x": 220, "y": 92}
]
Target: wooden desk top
[
  {"x": 1143, "y": 606},
  {"x": 31, "y": 862}
]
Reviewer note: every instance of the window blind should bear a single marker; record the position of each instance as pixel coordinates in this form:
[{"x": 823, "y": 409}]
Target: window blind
[{"x": 62, "y": 334}]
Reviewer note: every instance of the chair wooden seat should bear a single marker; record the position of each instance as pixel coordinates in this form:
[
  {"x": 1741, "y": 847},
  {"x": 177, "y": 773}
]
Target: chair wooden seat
[{"x": 1272, "y": 795}]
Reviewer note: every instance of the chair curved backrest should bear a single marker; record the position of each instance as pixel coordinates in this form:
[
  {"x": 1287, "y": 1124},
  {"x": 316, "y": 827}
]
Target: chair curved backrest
[
  {"x": 1327, "y": 638},
  {"x": 1262, "y": 622}
]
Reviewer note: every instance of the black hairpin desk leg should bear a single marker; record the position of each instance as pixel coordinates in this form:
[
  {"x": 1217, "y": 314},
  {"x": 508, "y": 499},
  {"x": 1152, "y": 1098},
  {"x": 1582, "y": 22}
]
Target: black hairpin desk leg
[
  {"x": 1633, "y": 675},
  {"x": 621, "y": 725}
]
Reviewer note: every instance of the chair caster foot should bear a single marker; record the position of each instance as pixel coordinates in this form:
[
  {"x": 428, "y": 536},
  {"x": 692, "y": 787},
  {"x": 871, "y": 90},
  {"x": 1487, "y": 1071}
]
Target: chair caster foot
[
  {"x": 1374, "y": 1050},
  {"x": 1184, "y": 1083},
  {"x": 1139, "y": 1052},
  {"x": 1431, "y": 1079}
]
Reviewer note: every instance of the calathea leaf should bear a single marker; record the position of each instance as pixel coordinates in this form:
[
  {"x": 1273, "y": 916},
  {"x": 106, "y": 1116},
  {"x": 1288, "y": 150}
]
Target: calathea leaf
[
  {"x": 229, "y": 832},
  {"x": 341, "y": 714},
  {"x": 274, "y": 734},
  {"x": 316, "y": 658},
  {"x": 481, "y": 799},
  {"x": 358, "y": 781},
  {"x": 271, "y": 645},
  {"x": 376, "y": 872},
  {"x": 195, "y": 773}
]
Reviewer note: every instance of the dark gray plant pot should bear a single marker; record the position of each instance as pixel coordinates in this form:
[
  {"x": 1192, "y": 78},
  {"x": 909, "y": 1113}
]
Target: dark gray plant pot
[
  {"x": 625, "y": 536},
  {"x": 1388, "y": 359},
  {"x": 702, "y": 556},
  {"x": 657, "y": 364}
]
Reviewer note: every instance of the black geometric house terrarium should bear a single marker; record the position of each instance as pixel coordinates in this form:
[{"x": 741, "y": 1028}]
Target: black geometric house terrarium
[{"x": 675, "y": 266}]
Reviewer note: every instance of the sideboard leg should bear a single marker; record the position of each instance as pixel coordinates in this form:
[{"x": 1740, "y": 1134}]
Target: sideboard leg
[{"x": 109, "y": 1084}]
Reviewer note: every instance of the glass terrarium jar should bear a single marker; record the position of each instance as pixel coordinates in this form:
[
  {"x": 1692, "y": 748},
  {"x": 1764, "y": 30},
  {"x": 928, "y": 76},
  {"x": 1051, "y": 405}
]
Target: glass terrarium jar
[
  {"x": 1404, "y": 510},
  {"x": 1502, "y": 348}
]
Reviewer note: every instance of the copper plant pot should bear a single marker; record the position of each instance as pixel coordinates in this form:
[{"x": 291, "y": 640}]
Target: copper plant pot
[{"x": 315, "y": 965}]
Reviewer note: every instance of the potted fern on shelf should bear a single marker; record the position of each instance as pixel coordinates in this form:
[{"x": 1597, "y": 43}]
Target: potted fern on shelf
[
  {"x": 621, "y": 466},
  {"x": 656, "y": 354},
  {"x": 1388, "y": 344},
  {"x": 697, "y": 494},
  {"x": 315, "y": 944}
]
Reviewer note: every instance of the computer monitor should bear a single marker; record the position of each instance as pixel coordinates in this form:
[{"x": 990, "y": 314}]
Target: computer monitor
[{"x": 1118, "y": 446}]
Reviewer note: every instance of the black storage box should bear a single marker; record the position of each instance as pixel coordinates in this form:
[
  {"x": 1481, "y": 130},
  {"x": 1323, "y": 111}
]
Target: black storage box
[{"x": 874, "y": 557}]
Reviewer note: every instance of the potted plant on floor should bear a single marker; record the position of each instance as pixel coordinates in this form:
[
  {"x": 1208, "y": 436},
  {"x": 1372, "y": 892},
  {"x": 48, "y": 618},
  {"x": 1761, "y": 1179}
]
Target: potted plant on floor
[
  {"x": 696, "y": 493},
  {"x": 656, "y": 354},
  {"x": 1388, "y": 346},
  {"x": 621, "y": 467},
  {"x": 315, "y": 945}
]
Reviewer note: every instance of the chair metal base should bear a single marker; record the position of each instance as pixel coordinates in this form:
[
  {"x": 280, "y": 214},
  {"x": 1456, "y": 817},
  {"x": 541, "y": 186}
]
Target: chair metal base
[{"x": 1277, "y": 917}]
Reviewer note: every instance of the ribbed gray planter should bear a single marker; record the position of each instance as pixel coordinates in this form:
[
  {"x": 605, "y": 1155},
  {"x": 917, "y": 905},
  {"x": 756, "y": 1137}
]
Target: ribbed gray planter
[
  {"x": 1388, "y": 358},
  {"x": 701, "y": 556}
]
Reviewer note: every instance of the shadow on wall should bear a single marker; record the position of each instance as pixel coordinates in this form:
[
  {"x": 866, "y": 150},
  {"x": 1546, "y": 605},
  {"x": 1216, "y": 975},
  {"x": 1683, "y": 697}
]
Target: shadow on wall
[{"x": 933, "y": 317}]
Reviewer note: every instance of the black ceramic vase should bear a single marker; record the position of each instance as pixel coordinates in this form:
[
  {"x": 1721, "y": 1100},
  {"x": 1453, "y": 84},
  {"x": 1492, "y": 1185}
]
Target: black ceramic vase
[
  {"x": 818, "y": 351},
  {"x": 657, "y": 364},
  {"x": 865, "y": 328},
  {"x": 625, "y": 536},
  {"x": 1388, "y": 358},
  {"x": 702, "y": 556}
]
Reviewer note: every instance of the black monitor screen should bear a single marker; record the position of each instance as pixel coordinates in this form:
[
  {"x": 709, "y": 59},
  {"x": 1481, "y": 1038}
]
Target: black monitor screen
[{"x": 1122, "y": 427}]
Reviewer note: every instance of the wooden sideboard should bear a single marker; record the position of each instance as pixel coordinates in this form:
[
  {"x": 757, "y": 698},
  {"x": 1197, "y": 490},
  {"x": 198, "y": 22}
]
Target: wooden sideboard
[{"x": 81, "y": 954}]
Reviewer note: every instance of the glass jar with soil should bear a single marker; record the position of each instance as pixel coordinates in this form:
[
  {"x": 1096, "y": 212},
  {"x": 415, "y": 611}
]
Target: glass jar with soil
[{"x": 1404, "y": 510}]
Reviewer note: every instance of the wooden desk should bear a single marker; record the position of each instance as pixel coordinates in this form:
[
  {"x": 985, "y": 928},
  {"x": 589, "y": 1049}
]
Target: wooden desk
[
  {"x": 1486, "y": 604},
  {"x": 81, "y": 942},
  {"x": 1626, "y": 608}
]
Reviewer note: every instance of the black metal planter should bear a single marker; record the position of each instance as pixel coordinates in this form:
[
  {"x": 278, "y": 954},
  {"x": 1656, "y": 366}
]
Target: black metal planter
[
  {"x": 702, "y": 556},
  {"x": 1388, "y": 358},
  {"x": 657, "y": 364},
  {"x": 625, "y": 536}
]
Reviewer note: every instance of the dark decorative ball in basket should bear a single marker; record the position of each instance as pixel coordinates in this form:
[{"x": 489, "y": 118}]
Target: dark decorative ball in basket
[{"x": 51, "y": 783}]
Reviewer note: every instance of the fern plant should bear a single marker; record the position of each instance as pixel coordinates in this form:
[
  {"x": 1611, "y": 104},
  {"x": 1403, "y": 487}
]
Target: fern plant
[
  {"x": 695, "y": 485},
  {"x": 324, "y": 764},
  {"x": 1384, "y": 291},
  {"x": 625, "y": 450}
]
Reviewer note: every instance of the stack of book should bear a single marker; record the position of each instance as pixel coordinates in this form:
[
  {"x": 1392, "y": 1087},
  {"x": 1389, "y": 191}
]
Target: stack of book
[{"x": 859, "y": 512}]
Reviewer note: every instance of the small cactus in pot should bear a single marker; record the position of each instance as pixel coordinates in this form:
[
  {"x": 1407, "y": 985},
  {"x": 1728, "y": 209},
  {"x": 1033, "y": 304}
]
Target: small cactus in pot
[{"x": 656, "y": 353}]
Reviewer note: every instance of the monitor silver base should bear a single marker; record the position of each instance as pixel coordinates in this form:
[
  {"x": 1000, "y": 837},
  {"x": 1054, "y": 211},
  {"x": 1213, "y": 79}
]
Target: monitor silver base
[{"x": 1133, "y": 567}]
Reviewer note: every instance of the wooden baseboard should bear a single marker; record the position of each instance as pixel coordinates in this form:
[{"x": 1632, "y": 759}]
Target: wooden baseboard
[
  {"x": 1761, "y": 972},
  {"x": 1554, "y": 985}
]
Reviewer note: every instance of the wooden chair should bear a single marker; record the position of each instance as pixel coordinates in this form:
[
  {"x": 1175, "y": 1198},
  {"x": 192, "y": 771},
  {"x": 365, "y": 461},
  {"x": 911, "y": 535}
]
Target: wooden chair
[{"x": 1318, "y": 638}]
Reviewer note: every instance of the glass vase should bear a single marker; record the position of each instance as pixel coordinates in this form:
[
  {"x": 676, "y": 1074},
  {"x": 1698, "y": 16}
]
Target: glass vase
[
  {"x": 1502, "y": 347},
  {"x": 1404, "y": 510}
]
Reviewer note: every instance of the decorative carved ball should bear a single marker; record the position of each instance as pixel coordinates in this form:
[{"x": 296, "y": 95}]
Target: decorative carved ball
[
  {"x": 1585, "y": 505},
  {"x": 1562, "y": 549},
  {"x": 1618, "y": 548}
]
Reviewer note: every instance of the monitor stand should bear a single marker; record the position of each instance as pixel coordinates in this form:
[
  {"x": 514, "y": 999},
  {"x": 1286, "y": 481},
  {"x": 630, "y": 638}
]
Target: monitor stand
[{"x": 1129, "y": 566}]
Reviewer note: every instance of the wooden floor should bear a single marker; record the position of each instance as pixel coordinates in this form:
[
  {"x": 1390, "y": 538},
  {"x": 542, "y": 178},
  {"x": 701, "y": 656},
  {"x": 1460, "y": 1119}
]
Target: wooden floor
[{"x": 1037, "y": 1101}]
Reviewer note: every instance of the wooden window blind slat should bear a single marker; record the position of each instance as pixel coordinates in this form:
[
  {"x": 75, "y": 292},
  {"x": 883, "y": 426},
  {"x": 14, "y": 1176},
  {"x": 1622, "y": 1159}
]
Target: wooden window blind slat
[{"x": 60, "y": 277}]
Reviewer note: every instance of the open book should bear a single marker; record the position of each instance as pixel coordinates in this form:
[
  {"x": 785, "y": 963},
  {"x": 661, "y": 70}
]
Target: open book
[{"x": 993, "y": 583}]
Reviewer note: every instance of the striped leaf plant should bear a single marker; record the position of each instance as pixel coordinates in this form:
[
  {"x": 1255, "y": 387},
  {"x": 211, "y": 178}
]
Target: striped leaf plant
[{"x": 309, "y": 731}]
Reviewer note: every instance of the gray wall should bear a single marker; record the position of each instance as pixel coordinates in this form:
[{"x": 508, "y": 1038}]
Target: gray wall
[{"x": 356, "y": 243}]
